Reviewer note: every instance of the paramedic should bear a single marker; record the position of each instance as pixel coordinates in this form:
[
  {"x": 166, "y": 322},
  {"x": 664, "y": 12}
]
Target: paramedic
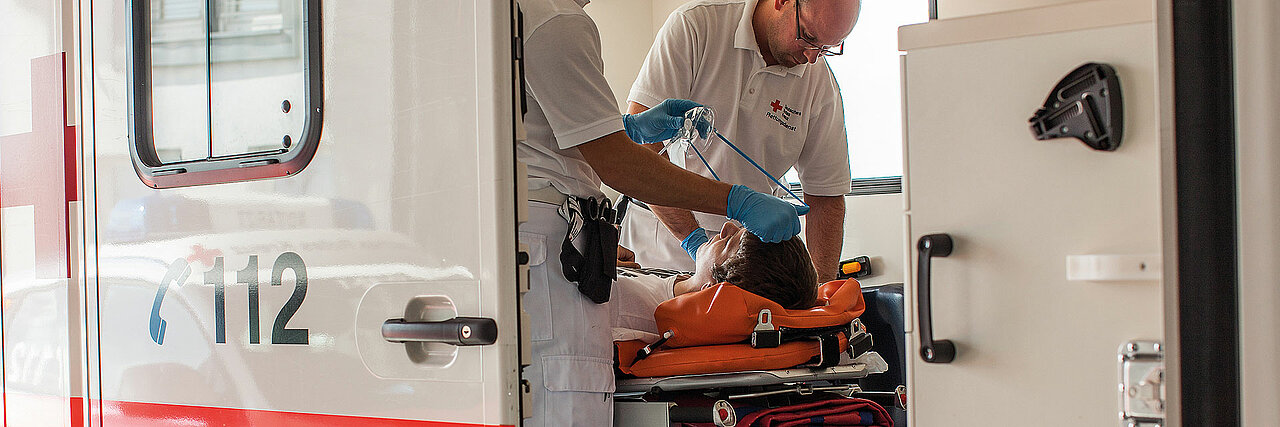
[
  {"x": 760, "y": 65},
  {"x": 781, "y": 272},
  {"x": 576, "y": 139}
]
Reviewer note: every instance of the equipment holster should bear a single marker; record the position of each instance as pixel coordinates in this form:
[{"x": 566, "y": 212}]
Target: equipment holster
[{"x": 595, "y": 268}]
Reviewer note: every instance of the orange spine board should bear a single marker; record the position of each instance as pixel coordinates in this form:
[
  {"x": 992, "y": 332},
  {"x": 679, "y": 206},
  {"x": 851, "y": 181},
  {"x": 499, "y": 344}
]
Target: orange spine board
[{"x": 726, "y": 314}]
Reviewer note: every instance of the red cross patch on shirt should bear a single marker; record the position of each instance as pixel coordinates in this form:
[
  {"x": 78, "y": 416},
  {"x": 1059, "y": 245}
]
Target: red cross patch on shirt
[{"x": 782, "y": 114}]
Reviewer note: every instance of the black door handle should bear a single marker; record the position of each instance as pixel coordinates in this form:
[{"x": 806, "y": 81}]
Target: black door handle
[
  {"x": 940, "y": 351},
  {"x": 456, "y": 331}
]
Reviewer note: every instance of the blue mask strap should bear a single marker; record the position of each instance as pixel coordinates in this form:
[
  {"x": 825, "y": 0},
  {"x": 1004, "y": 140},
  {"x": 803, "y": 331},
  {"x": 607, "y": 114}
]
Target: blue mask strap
[
  {"x": 753, "y": 163},
  {"x": 704, "y": 161}
]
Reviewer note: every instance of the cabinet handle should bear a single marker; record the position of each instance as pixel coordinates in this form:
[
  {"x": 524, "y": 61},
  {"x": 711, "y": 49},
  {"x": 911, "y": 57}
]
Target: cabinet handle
[{"x": 940, "y": 351}]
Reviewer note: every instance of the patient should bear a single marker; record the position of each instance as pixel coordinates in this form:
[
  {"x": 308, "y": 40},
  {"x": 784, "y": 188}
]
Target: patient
[{"x": 781, "y": 272}]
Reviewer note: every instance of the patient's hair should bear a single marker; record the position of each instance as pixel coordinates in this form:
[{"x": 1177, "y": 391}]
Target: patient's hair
[{"x": 781, "y": 272}]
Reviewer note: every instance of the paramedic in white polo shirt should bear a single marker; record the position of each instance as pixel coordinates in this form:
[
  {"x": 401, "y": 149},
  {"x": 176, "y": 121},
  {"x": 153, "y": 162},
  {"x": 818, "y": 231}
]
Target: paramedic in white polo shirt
[
  {"x": 760, "y": 66},
  {"x": 576, "y": 139}
]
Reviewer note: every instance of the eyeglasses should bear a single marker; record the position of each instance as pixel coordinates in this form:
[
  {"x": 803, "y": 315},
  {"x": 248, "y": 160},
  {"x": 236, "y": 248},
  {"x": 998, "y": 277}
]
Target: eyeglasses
[{"x": 808, "y": 45}]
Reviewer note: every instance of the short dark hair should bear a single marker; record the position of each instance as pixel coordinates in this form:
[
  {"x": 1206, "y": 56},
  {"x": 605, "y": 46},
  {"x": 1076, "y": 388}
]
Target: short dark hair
[{"x": 781, "y": 272}]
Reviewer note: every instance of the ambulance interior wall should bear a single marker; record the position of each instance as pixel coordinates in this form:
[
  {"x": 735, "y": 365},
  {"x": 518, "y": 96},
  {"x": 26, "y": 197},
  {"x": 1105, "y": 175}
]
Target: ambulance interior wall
[{"x": 873, "y": 224}]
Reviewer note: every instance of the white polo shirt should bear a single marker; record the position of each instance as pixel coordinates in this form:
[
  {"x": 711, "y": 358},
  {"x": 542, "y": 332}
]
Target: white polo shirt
[
  {"x": 781, "y": 117},
  {"x": 569, "y": 101},
  {"x": 636, "y": 295}
]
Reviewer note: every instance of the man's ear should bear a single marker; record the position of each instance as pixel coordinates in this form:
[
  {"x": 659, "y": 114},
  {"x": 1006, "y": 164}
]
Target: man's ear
[{"x": 779, "y": 4}]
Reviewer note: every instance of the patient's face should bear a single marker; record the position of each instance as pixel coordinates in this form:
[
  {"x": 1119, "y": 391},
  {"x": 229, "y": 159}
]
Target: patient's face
[{"x": 721, "y": 247}]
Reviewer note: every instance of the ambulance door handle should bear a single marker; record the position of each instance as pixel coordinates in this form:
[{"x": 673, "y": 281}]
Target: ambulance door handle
[
  {"x": 940, "y": 351},
  {"x": 456, "y": 331}
]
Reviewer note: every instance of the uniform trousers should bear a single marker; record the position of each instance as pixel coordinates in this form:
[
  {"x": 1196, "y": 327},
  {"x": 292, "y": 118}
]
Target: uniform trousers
[{"x": 571, "y": 374}]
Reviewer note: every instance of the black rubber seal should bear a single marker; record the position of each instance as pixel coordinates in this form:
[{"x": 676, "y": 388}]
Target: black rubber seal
[{"x": 1205, "y": 150}]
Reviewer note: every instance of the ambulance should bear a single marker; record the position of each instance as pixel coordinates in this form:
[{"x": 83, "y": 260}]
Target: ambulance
[{"x": 232, "y": 212}]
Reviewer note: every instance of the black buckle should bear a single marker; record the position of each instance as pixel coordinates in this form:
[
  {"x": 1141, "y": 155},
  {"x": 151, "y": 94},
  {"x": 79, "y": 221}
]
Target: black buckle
[
  {"x": 653, "y": 347},
  {"x": 765, "y": 335},
  {"x": 829, "y": 355},
  {"x": 860, "y": 343}
]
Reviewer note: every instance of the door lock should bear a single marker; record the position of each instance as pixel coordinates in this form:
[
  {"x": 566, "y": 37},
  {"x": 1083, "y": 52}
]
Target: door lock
[{"x": 1142, "y": 397}]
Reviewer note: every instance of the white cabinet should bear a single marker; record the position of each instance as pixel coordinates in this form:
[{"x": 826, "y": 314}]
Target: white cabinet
[{"x": 1032, "y": 346}]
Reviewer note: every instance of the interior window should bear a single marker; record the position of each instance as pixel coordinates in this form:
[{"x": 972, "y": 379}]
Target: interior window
[
  {"x": 869, "y": 73},
  {"x": 230, "y": 86}
]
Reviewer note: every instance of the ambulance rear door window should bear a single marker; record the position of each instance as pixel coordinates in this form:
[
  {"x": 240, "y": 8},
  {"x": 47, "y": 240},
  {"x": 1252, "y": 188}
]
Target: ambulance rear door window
[{"x": 223, "y": 90}]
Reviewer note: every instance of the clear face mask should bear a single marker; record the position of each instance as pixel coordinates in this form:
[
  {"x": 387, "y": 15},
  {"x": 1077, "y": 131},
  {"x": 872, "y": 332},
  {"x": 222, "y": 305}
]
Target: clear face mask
[
  {"x": 689, "y": 142},
  {"x": 695, "y": 136}
]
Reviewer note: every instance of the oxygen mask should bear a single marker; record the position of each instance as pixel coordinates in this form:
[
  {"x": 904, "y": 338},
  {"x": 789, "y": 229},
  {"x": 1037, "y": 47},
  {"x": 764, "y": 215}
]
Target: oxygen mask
[
  {"x": 692, "y": 138},
  {"x": 698, "y": 125}
]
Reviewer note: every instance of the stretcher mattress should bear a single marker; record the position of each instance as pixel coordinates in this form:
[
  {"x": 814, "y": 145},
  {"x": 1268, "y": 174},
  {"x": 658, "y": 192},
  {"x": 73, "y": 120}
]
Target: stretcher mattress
[
  {"x": 726, "y": 314},
  {"x": 715, "y": 330}
]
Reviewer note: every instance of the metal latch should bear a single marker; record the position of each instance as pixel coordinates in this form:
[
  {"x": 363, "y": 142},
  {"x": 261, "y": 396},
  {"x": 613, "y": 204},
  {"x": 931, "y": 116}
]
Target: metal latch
[
  {"x": 765, "y": 335},
  {"x": 1142, "y": 393}
]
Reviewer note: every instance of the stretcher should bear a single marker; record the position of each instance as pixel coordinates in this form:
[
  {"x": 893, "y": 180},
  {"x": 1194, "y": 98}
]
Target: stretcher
[{"x": 723, "y": 349}]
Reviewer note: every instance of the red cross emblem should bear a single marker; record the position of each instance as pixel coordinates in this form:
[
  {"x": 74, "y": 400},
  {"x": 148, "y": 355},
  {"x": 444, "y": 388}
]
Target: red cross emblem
[
  {"x": 777, "y": 105},
  {"x": 202, "y": 255},
  {"x": 38, "y": 170}
]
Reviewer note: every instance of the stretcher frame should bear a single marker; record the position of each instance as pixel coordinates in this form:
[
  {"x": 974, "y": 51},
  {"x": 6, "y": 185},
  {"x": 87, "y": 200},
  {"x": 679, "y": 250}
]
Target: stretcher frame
[
  {"x": 868, "y": 363},
  {"x": 632, "y": 410},
  {"x": 706, "y": 397}
]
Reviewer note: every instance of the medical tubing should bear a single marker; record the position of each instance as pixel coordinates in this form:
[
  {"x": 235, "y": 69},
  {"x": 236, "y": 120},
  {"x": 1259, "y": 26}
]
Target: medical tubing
[
  {"x": 704, "y": 161},
  {"x": 753, "y": 163}
]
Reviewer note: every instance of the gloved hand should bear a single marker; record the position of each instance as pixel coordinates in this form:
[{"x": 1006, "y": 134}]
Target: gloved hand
[
  {"x": 768, "y": 217},
  {"x": 659, "y": 123},
  {"x": 693, "y": 241}
]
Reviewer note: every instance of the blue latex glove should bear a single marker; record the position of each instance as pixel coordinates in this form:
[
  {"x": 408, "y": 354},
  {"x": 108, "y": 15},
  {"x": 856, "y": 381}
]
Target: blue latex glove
[
  {"x": 768, "y": 217},
  {"x": 659, "y": 123},
  {"x": 694, "y": 241}
]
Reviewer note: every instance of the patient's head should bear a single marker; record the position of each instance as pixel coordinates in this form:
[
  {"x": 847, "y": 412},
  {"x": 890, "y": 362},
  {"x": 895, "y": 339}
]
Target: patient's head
[{"x": 781, "y": 272}]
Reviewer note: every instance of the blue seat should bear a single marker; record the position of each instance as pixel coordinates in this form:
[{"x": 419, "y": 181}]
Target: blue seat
[{"x": 884, "y": 320}]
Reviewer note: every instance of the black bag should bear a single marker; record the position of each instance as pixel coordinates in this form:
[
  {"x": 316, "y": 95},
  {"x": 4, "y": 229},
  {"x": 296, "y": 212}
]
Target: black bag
[{"x": 595, "y": 268}]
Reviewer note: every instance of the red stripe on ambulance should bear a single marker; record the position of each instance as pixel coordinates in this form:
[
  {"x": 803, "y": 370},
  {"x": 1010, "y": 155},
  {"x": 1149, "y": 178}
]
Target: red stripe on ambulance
[{"x": 116, "y": 413}]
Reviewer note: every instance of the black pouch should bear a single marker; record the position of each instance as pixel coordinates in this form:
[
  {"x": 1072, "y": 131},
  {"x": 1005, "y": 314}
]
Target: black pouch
[{"x": 595, "y": 268}]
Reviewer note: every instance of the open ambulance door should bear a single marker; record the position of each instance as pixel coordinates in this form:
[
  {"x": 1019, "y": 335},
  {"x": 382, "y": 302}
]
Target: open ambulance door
[
  {"x": 41, "y": 341},
  {"x": 301, "y": 212},
  {"x": 41, "y": 334},
  {"x": 1048, "y": 278}
]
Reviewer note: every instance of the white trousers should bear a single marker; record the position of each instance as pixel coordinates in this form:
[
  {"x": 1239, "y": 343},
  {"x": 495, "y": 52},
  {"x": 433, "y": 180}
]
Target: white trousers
[{"x": 571, "y": 374}]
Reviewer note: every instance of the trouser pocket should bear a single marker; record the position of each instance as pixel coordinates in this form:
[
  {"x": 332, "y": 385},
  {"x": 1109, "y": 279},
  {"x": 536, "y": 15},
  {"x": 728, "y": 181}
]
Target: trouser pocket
[{"x": 537, "y": 302}]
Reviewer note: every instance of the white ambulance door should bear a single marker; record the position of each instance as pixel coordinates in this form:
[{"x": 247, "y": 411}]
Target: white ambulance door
[
  {"x": 1031, "y": 345},
  {"x": 286, "y": 197},
  {"x": 41, "y": 338}
]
